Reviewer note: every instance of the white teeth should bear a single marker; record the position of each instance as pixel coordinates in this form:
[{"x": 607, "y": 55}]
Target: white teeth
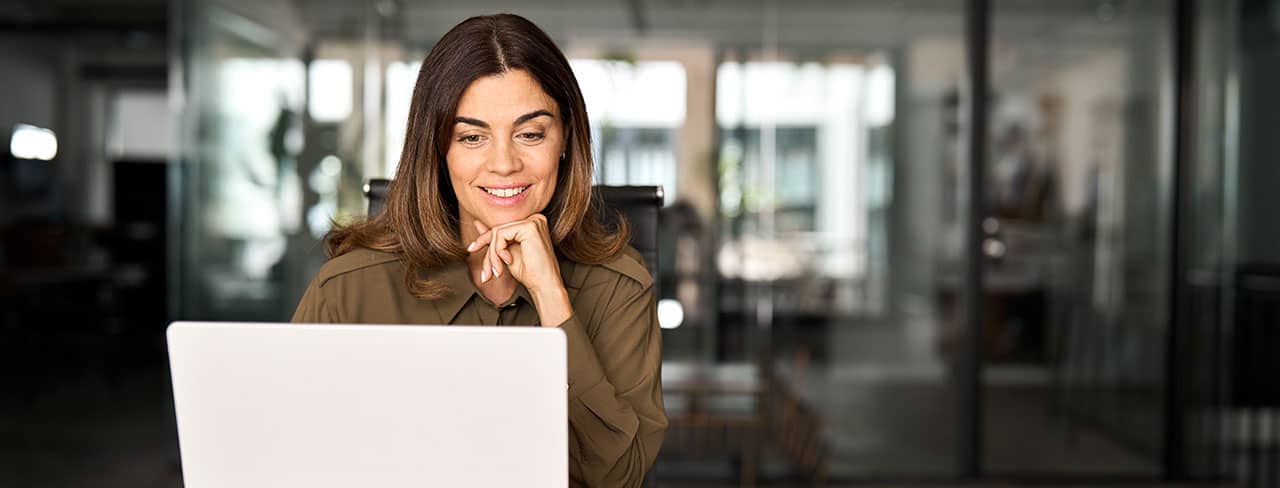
[{"x": 505, "y": 192}]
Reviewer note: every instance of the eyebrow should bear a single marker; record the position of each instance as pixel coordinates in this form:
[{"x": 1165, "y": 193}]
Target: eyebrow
[{"x": 519, "y": 120}]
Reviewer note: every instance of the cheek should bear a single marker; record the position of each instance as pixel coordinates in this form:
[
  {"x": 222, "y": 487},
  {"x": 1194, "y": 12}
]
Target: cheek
[
  {"x": 460, "y": 169},
  {"x": 548, "y": 166},
  {"x": 459, "y": 179}
]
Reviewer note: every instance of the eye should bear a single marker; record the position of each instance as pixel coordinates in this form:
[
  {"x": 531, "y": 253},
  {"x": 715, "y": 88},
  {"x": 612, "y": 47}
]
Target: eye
[
  {"x": 471, "y": 139},
  {"x": 532, "y": 136}
]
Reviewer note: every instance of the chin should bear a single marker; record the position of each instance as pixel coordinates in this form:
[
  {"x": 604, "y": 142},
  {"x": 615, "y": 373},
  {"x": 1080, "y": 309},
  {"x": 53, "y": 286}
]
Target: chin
[
  {"x": 504, "y": 218},
  {"x": 493, "y": 216}
]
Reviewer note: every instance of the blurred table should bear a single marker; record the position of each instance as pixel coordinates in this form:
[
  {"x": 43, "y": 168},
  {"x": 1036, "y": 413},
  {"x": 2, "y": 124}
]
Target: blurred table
[{"x": 715, "y": 407}]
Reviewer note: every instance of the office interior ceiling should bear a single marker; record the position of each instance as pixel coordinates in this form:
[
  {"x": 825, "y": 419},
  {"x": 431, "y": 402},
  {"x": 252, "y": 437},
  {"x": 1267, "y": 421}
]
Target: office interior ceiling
[{"x": 726, "y": 22}]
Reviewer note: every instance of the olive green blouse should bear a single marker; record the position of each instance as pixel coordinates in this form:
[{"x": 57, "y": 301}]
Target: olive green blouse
[{"x": 616, "y": 416}]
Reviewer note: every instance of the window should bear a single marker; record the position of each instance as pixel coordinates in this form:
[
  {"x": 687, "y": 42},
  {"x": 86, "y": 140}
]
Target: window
[{"x": 636, "y": 108}]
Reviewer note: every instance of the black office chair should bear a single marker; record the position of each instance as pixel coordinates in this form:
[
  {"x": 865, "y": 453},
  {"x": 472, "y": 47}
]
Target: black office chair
[{"x": 640, "y": 205}]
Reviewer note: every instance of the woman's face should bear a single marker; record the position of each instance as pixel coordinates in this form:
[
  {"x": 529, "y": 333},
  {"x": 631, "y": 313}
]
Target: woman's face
[{"x": 505, "y": 149}]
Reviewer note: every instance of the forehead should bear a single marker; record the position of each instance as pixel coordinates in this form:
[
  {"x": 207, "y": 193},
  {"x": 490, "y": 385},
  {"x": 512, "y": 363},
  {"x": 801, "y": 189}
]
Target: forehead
[{"x": 503, "y": 97}]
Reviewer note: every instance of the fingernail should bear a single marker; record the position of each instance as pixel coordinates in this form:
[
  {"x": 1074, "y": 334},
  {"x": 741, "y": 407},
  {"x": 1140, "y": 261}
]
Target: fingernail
[
  {"x": 506, "y": 260},
  {"x": 484, "y": 276},
  {"x": 472, "y": 246},
  {"x": 495, "y": 272}
]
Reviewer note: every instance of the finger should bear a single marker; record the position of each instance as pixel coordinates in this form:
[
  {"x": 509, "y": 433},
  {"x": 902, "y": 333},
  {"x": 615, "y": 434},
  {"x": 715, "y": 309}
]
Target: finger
[
  {"x": 546, "y": 229},
  {"x": 533, "y": 230},
  {"x": 488, "y": 267},
  {"x": 514, "y": 253},
  {"x": 499, "y": 249},
  {"x": 481, "y": 241},
  {"x": 488, "y": 262},
  {"x": 511, "y": 235},
  {"x": 492, "y": 260},
  {"x": 515, "y": 235},
  {"x": 502, "y": 238},
  {"x": 543, "y": 226},
  {"x": 486, "y": 271}
]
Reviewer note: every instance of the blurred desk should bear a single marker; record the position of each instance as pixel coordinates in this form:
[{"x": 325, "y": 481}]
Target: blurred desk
[
  {"x": 682, "y": 377},
  {"x": 706, "y": 395},
  {"x": 715, "y": 407},
  {"x": 731, "y": 407}
]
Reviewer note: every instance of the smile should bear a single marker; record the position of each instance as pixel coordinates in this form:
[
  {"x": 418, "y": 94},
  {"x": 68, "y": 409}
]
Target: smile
[{"x": 505, "y": 192}]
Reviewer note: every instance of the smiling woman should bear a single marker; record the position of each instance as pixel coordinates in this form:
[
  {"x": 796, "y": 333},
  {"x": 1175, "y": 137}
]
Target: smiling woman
[
  {"x": 457, "y": 109},
  {"x": 490, "y": 220}
]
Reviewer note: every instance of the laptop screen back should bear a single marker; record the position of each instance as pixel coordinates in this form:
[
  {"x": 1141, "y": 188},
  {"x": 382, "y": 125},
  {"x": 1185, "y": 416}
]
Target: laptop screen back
[{"x": 287, "y": 405}]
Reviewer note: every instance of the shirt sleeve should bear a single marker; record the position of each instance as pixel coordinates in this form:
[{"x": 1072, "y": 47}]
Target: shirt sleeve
[
  {"x": 616, "y": 417},
  {"x": 312, "y": 308}
]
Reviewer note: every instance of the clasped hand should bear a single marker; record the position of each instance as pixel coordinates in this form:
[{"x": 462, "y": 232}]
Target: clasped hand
[{"x": 524, "y": 249}]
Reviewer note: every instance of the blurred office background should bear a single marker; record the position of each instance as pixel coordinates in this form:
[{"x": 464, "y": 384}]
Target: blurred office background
[{"x": 869, "y": 271}]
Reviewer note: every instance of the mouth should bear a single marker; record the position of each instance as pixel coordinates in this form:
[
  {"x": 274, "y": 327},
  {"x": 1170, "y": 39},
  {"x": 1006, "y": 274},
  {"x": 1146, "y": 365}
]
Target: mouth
[
  {"x": 508, "y": 196},
  {"x": 505, "y": 192}
]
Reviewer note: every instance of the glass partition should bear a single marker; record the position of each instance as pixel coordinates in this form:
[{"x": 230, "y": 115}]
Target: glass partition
[
  {"x": 239, "y": 191},
  {"x": 1077, "y": 237}
]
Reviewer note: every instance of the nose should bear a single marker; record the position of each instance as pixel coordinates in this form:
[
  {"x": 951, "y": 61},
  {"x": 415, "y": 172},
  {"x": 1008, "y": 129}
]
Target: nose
[{"x": 506, "y": 159}]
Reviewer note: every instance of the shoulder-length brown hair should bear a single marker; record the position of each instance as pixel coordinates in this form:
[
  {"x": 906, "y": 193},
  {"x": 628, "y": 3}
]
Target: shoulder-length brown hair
[{"x": 420, "y": 221}]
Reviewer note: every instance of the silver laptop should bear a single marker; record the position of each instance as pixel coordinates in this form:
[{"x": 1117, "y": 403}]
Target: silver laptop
[{"x": 287, "y": 405}]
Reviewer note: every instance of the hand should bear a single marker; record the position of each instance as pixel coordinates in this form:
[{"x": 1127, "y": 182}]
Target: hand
[{"x": 524, "y": 249}]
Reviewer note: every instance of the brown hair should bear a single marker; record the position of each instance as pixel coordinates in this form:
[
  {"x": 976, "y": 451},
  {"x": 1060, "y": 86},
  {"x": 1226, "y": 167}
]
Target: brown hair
[{"x": 420, "y": 221}]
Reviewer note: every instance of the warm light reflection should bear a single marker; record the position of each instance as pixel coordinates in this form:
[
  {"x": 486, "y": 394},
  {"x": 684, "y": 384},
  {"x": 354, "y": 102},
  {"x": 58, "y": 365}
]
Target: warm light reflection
[
  {"x": 31, "y": 142},
  {"x": 670, "y": 313}
]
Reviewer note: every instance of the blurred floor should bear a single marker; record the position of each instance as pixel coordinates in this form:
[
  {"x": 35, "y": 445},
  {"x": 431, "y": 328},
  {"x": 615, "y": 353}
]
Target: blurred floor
[{"x": 893, "y": 406}]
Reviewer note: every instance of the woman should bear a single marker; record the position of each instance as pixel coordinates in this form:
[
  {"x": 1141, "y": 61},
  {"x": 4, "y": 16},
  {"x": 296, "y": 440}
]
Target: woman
[{"x": 490, "y": 221}]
